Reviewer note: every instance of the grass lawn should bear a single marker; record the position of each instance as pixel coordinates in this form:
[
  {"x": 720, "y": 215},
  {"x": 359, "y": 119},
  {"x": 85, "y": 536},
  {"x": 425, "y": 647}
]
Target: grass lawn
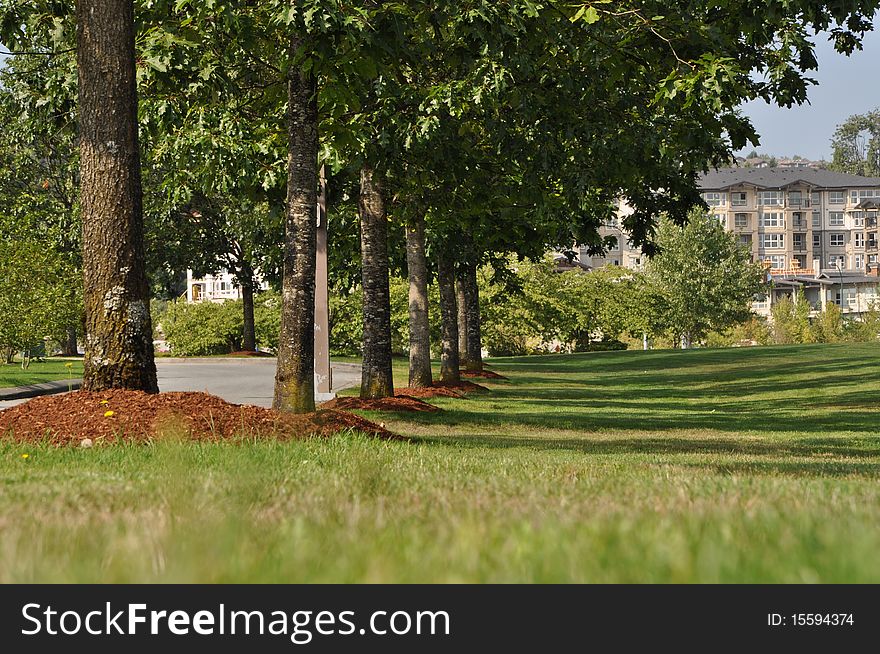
[
  {"x": 51, "y": 369},
  {"x": 739, "y": 465}
]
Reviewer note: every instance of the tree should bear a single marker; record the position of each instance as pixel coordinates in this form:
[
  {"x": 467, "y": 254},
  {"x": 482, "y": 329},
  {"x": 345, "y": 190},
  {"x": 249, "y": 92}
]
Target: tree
[
  {"x": 705, "y": 277},
  {"x": 420, "y": 374},
  {"x": 35, "y": 299},
  {"x": 856, "y": 145},
  {"x": 119, "y": 334},
  {"x": 295, "y": 376},
  {"x": 377, "y": 380}
]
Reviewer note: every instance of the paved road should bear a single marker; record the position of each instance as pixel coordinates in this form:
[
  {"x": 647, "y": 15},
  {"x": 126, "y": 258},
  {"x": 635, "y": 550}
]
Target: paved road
[{"x": 240, "y": 381}]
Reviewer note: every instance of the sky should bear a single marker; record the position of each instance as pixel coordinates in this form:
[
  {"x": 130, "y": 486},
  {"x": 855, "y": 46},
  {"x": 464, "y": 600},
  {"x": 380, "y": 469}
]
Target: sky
[{"x": 847, "y": 86}]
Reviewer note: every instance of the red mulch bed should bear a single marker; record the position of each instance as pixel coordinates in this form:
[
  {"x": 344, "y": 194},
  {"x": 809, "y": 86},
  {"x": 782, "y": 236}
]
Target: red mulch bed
[
  {"x": 136, "y": 416},
  {"x": 485, "y": 374},
  {"x": 249, "y": 353},
  {"x": 397, "y": 403},
  {"x": 430, "y": 391},
  {"x": 463, "y": 386}
]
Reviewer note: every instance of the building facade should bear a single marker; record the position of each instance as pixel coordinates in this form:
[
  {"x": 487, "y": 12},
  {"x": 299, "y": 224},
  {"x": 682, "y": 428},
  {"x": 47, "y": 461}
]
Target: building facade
[
  {"x": 815, "y": 231},
  {"x": 213, "y": 288}
]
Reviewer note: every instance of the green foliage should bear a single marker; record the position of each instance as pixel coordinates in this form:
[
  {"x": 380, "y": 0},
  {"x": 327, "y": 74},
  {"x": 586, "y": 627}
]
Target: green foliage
[
  {"x": 791, "y": 321},
  {"x": 706, "y": 279},
  {"x": 347, "y": 326},
  {"x": 856, "y": 145},
  {"x": 208, "y": 328},
  {"x": 38, "y": 294},
  {"x": 533, "y": 308}
]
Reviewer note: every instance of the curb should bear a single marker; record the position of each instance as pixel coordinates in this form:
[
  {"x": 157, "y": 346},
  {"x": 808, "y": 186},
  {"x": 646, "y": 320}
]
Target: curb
[{"x": 36, "y": 390}]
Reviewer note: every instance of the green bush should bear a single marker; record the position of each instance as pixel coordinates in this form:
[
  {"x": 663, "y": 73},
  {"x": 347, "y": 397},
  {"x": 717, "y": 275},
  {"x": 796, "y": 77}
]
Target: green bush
[{"x": 207, "y": 328}]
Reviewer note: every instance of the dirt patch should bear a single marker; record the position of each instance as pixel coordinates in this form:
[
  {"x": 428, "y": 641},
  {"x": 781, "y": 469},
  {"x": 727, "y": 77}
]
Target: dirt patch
[
  {"x": 397, "y": 403},
  {"x": 135, "y": 416},
  {"x": 484, "y": 374},
  {"x": 430, "y": 391},
  {"x": 249, "y": 353}
]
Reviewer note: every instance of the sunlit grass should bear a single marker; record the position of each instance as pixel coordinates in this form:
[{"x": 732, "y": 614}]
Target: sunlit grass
[
  {"x": 12, "y": 374},
  {"x": 708, "y": 466}
]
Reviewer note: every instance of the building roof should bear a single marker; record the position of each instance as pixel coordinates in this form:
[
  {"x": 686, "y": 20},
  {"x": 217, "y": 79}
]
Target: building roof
[{"x": 724, "y": 178}]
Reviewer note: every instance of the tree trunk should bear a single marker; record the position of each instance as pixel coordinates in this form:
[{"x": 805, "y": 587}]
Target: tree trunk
[
  {"x": 472, "y": 311},
  {"x": 376, "y": 376},
  {"x": 119, "y": 335},
  {"x": 295, "y": 375},
  {"x": 419, "y": 328},
  {"x": 462, "y": 323},
  {"x": 249, "y": 338},
  {"x": 449, "y": 361},
  {"x": 70, "y": 343}
]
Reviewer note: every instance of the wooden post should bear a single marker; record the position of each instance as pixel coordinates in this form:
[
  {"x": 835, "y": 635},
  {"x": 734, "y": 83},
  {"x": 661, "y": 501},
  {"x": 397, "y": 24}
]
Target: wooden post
[{"x": 323, "y": 373}]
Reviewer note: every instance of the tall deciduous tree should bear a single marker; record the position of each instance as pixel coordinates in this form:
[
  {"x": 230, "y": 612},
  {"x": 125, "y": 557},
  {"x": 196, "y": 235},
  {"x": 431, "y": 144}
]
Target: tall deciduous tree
[
  {"x": 376, "y": 380},
  {"x": 705, "y": 277},
  {"x": 856, "y": 145},
  {"x": 119, "y": 335},
  {"x": 295, "y": 376},
  {"x": 449, "y": 362},
  {"x": 419, "y": 328}
]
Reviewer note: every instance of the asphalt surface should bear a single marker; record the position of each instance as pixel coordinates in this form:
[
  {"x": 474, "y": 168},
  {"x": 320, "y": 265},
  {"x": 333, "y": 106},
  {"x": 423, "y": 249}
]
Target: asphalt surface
[{"x": 240, "y": 381}]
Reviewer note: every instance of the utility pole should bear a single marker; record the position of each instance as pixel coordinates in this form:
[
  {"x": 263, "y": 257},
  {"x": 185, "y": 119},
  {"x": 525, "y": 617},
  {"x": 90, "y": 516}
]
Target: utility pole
[{"x": 323, "y": 372}]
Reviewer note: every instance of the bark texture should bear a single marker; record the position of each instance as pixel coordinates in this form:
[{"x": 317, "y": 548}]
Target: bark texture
[
  {"x": 419, "y": 328},
  {"x": 462, "y": 323},
  {"x": 295, "y": 375},
  {"x": 249, "y": 337},
  {"x": 449, "y": 361},
  {"x": 119, "y": 334},
  {"x": 472, "y": 313},
  {"x": 70, "y": 342},
  {"x": 376, "y": 377}
]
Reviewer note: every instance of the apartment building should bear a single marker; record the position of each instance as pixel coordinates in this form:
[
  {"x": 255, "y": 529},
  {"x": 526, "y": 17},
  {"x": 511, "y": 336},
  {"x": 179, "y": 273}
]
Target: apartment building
[{"x": 814, "y": 230}]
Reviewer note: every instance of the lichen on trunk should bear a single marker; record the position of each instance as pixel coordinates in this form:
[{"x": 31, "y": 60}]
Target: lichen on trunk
[{"x": 119, "y": 334}]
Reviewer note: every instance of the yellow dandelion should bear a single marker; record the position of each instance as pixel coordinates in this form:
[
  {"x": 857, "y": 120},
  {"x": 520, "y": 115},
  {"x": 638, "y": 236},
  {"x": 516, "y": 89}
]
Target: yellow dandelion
[
  {"x": 25, "y": 456},
  {"x": 109, "y": 414},
  {"x": 68, "y": 365},
  {"x": 104, "y": 402}
]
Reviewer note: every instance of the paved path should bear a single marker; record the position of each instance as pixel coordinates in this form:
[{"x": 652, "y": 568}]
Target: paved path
[{"x": 240, "y": 381}]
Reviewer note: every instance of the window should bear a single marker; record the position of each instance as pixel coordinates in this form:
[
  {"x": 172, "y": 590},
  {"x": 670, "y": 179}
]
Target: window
[
  {"x": 795, "y": 198},
  {"x": 777, "y": 261},
  {"x": 715, "y": 199},
  {"x": 817, "y": 219},
  {"x": 860, "y": 261},
  {"x": 739, "y": 199},
  {"x": 741, "y": 220},
  {"x": 773, "y": 241},
  {"x": 772, "y": 219},
  {"x": 859, "y": 239},
  {"x": 836, "y": 240},
  {"x": 770, "y": 198},
  {"x": 837, "y": 260},
  {"x": 720, "y": 218},
  {"x": 817, "y": 241},
  {"x": 798, "y": 241},
  {"x": 816, "y": 198},
  {"x": 745, "y": 240},
  {"x": 858, "y": 219},
  {"x": 863, "y": 194},
  {"x": 872, "y": 258},
  {"x": 835, "y": 219},
  {"x": 836, "y": 197}
]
